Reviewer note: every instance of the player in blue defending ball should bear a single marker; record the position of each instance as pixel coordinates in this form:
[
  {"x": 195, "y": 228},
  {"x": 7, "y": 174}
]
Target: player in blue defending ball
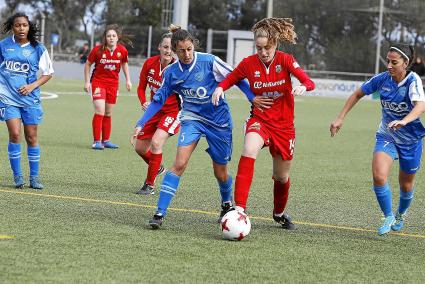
[
  {"x": 21, "y": 57},
  {"x": 400, "y": 132},
  {"x": 194, "y": 77}
]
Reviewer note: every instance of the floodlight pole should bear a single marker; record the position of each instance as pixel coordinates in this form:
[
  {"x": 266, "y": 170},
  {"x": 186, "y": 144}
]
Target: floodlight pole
[
  {"x": 269, "y": 8},
  {"x": 378, "y": 44},
  {"x": 43, "y": 21},
  {"x": 181, "y": 13}
]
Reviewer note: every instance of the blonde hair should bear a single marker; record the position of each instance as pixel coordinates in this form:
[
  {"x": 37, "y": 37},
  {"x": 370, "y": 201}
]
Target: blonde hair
[{"x": 275, "y": 30}]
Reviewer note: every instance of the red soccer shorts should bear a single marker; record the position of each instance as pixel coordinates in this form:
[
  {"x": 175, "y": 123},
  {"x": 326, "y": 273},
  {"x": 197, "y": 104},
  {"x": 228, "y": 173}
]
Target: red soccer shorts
[
  {"x": 104, "y": 92},
  {"x": 168, "y": 122},
  {"x": 280, "y": 141}
]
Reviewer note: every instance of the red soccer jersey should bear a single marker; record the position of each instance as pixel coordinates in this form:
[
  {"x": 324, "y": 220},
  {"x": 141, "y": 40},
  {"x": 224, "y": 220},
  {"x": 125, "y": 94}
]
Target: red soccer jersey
[
  {"x": 107, "y": 64},
  {"x": 272, "y": 81},
  {"x": 151, "y": 75}
]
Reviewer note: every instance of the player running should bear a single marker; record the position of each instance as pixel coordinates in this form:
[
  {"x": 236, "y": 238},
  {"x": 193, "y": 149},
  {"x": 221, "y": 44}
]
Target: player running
[
  {"x": 271, "y": 122},
  {"x": 194, "y": 77},
  {"x": 108, "y": 59},
  {"x": 164, "y": 123},
  {"x": 399, "y": 135},
  {"x": 21, "y": 57}
]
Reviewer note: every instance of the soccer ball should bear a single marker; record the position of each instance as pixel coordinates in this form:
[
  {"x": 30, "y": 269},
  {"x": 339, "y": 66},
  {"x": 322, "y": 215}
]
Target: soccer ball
[{"x": 235, "y": 225}]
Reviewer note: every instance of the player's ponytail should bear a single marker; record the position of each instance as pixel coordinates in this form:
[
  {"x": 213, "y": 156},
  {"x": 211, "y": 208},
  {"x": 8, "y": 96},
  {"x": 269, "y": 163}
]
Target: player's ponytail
[
  {"x": 33, "y": 32},
  {"x": 180, "y": 34}
]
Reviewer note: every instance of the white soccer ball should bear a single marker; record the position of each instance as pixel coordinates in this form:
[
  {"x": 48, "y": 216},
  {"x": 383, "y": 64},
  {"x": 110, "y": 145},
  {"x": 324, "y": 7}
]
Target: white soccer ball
[{"x": 235, "y": 225}]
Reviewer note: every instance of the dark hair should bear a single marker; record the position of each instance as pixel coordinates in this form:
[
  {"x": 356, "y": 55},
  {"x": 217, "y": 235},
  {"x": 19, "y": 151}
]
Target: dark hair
[
  {"x": 407, "y": 52},
  {"x": 180, "y": 34},
  {"x": 122, "y": 38},
  {"x": 33, "y": 32}
]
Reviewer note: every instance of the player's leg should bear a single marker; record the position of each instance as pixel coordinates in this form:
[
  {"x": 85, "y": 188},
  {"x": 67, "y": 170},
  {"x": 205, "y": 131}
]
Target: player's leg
[
  {"x": 31, "y": 118},
  {"x": 98, "y": 97},
  {"x": 410, "y": 159},
  {"x": 142, "y": 148},
  {"x": 187, "y": 142},
  {"x": 111, "y": 100},
  {"x": 281, "y": 187},
  {"x": 252, "y": 145},
  {"x": 14, "y": 150},
  {"x": 383, "y": 158}
]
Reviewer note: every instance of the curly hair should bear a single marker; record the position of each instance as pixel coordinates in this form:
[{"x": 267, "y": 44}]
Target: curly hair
[
  {"x": 33, "y": 32},
  {"x": 180, "y": 34},
  {"x": 275, "y": 30}
]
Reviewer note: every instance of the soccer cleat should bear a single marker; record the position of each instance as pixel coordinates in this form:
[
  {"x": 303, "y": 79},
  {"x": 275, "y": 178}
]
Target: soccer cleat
[
  {"x": 97, "y": 145},
  {"x": 146, "y": 189},
  {"x": 110, "y": 145},
  {"x": 225, "y": 207},
  {"x": 156, "y": 221},
  {"x": 399, "y": 222},
  {"x": 35, "y": 183},
  {"x": 161, "y": 170},
  {"x": 285, "y": 221},
  {"x": 19, "y": 181},
  {"x": 386, "y": 225}
]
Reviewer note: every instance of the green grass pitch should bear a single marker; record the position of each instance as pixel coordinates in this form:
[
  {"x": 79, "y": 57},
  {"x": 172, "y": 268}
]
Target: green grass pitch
[{"x": 88, "y": 226}]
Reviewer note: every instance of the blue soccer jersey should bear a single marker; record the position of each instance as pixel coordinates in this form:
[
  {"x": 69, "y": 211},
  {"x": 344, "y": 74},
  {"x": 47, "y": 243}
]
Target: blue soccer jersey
[
  {"x": 397, "y": 100},
  {"x": 19, "y": 65},
  {"x": 195, "y": 83}
]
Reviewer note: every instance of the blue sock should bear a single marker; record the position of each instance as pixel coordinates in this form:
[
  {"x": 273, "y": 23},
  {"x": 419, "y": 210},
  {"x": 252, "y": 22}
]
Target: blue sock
[
  {"x": 226, "y": 189},
  {"x": 405, "y": 200},
  {"x": 169, "y": 186},
  {"x": 14, "y": 150},
  {"x": 384, "y": 197},
  {"x": 34, "y": 160}
]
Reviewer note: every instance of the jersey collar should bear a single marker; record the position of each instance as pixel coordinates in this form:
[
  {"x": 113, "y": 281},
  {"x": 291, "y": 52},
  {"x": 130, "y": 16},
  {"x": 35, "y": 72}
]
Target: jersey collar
[
  {"x": 195, "y": 56},
  {"x": 22, "y": 45}
]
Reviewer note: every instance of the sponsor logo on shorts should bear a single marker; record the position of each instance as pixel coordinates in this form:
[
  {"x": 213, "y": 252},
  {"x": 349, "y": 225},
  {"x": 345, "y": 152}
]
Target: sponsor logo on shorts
[{"x": 255, "y": 126}]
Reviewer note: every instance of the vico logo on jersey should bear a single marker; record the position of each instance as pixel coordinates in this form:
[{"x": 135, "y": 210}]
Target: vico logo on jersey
[
  {"x": 200, "y": 92},
  {"x": 401, "y": 107},
  {"x": 17, "y": 66}
]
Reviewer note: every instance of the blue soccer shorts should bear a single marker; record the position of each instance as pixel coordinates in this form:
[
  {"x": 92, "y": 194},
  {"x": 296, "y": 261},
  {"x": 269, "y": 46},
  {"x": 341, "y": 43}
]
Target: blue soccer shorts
[
  {"x": 32, "y": 115},
  {"x": 219, "y": 139},
  {"x": 409, "y": 155}
]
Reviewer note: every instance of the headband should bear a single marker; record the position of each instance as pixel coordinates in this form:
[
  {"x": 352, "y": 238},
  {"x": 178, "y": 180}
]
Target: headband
[{"x": 401, "y": 52}]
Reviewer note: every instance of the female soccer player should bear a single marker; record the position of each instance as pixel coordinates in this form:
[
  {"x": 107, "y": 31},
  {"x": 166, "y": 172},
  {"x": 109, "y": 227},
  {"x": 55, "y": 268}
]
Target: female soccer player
[
  {"x": 165, "y": 123},
  {"x": 272, "y": 117},
  {"x": 400, "y": 132},
  {"x": 194, "y": 77},
  {"x": 103, "y": 84},
  {"x": 21, "y": 57}
]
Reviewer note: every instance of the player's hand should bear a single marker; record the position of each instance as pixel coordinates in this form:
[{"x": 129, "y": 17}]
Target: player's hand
[
  {"x": 396, "y": 124},
  {"x": 25, "y": 90},
  {"x": 136, "y": 133},
  {"x": 335, "y": 126},
  {"x": 145, "y": 106},
  {"x": 87, "y": 87},
  {"x": 299, "y": 90},
  {"x": 262, "y": 102},
  {"x": 128, "y": 85},
  {"x": 218, "y": 93}
]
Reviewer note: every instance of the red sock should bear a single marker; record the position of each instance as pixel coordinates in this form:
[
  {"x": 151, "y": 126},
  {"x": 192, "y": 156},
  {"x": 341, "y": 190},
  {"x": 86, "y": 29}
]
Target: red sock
[
  {"x": 243, "y": 180},
  {"x": 97, "y": 126},
  {"x": 154, "y": 165},
  {"x": 280, "y": 196},
  {"x": 147, "y": 156},
  {"x": 106, "y": 128}
]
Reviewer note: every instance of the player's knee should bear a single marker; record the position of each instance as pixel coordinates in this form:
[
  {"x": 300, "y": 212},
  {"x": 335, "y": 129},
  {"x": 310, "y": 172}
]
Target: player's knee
[
  {"x": 156, "y": 145},
  {"x": 179, "y": 168},
  {"x": 379, "y": 178}
]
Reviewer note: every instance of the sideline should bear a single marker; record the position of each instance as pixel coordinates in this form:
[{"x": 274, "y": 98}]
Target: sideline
[
  {"x": 91, "y": 200},
  {"x": 4, "y": 237}
]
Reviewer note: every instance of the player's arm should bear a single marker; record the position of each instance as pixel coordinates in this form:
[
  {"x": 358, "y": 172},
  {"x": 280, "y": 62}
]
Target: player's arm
[
  {"x": 349, "y": 104},
  {"x": 126, "y": 71},
  {"x": 417, "y": 97},
  {"x": 227, "y": 78},
  {"x": 306, "y": 83},
  {"x": 46, "y": 69},
  {"x": 87, "y": 67},
  {"x": 141, "y": 88}
]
